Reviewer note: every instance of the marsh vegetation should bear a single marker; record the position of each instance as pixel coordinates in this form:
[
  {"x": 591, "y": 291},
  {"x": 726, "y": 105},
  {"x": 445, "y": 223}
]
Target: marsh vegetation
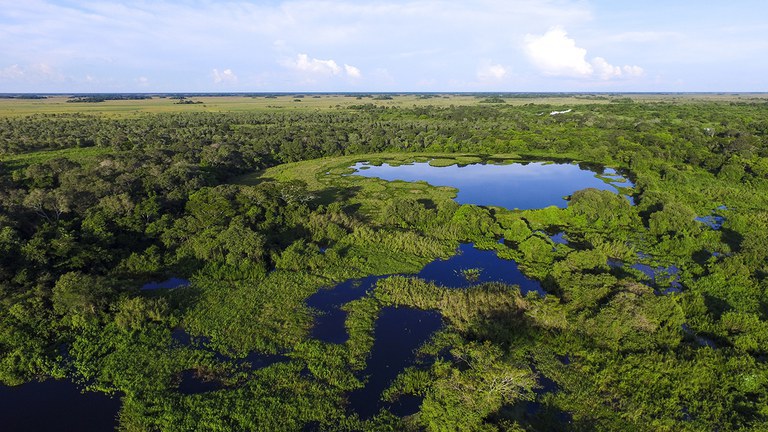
[{"x": 307, "y": 295}]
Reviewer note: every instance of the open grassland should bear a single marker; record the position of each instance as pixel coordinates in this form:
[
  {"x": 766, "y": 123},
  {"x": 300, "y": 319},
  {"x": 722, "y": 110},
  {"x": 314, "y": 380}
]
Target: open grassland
[
  {"x": 84, "y": 156},
  {"x": 237, "y": 103}
]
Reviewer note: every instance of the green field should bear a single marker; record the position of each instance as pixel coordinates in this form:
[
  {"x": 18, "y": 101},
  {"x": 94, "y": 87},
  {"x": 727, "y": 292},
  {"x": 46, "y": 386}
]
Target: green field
[
  {"x": 251, "y": 201},
  {"x": 309, "y": 101}
]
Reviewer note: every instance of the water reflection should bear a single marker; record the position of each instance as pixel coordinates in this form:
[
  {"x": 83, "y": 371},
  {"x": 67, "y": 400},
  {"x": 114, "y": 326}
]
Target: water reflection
[
  {"x": 56, "y": 405},
  {"x": 518, "y": 185},
  {"x": 329, "y": 324},
  {"x": 173, "y": 282},
  {"x": 398, "y": 333}
]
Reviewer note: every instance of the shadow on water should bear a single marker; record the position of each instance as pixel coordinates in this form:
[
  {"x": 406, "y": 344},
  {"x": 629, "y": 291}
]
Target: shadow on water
[
  {"x": 664, "y": 280},
  {"x": 448, "y": 272},
  {"x": 559, "y": 238},
  {"x": 398, "y": 333},
  {"x": 171, "y": 283},
  {"x": 192, "y": 381},
  {"x": 56, "y": 405},
  {"x": 539, "y": 414},
  {"x": 329, "y": 324}
]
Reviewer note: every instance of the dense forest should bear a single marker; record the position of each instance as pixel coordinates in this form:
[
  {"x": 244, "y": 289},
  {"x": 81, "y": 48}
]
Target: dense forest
[{"x": 258, "y": 211}]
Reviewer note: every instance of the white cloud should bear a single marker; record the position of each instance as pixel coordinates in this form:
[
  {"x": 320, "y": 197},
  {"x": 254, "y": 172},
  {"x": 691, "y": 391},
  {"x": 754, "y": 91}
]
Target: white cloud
[
  {"x": 352, "y": 71},
  {"x": 143, "y": 81},
  {"x": 224, "y": 77},
  {"x": 605, "y": 70},
  {"x": 633, "y": 71},
  {"x": 556, "y": 54},
  {"x": 312, "y": 65},
  {"x": 491, "y": 72},
  {"x": 317, "y": 67}
]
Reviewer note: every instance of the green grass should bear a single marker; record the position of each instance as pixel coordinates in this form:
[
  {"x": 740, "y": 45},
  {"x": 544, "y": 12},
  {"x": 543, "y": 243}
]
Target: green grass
[
  {"x": 124, "y": 108},
  {"x": 83, "y": 155}
]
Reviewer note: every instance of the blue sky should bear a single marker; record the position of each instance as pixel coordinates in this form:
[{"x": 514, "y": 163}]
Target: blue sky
[{"x": 417, "y": 45}]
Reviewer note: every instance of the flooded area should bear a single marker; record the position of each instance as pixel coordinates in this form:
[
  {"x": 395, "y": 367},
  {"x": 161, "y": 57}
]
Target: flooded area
[
  {"x": 173, "y": 282},
  {"x": 521, "y": 186},
  {"x": 56, "y": 405},
  {"x": 329, "y": 323},
  {"x": 399, "y": 332}
]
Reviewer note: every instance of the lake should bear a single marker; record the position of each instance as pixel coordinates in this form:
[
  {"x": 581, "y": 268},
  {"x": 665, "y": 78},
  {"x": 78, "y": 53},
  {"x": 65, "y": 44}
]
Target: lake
[{"x": 523, "y": 186}]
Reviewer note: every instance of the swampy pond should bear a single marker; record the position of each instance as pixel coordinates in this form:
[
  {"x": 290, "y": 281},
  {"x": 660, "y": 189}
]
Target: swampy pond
[
  {"x": 525, "y": 185},
  {"x": 398, "y": 332}
]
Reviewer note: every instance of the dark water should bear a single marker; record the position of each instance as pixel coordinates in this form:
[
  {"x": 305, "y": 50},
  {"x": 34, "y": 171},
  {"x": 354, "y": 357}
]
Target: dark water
[
  {"x": 255, "y": 359},
  {"x": 56, "y": 405},
  {"x": 166, "y": 284},
  {"x": 713, "y": 221},
  {"x": 658, "y": 274},
  {"x": 665, "y": 279},
  {"x": 518, "y": 185},
  {"x": 329, "y": 324},
  {"x": 190, "y": 382},
  {"x": 493, "y": 269},
  {"x": 559, "y": 238},
  {"x": 398, "y": 333}
]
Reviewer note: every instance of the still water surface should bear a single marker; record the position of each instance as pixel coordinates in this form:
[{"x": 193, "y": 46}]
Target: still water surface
[
  {"x": 518, "y": 185},
  {"x": 56, "y": 405},
  {"x": 399, "y": 332}
]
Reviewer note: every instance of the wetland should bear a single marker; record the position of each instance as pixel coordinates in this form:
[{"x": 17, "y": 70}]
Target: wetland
[{"x": 372, "y": 265}]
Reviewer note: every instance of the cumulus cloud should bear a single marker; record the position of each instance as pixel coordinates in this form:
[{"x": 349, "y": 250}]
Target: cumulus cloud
[
  {"x": 352, "y": 71},
  {"x": 224, "y": 77},
  {"x": 491, "y": 72},
  {"x": 605, "y": 70},
  {"x": 305, "y": 64},
  {"x": 316, "y": 66},
  {"x": 633, "y": 71},
  {"x": 556, "y": 54}
]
